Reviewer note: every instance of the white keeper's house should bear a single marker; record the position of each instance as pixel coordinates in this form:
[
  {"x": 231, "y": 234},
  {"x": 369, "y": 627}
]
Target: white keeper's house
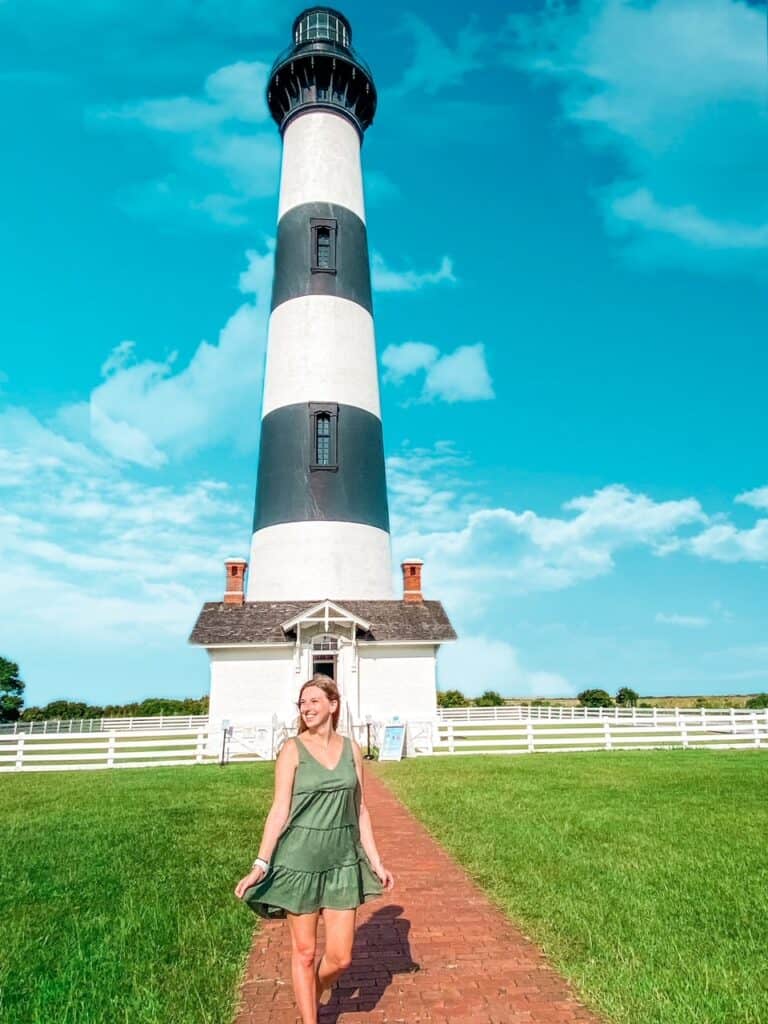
[{"x": 316, "y": 594}]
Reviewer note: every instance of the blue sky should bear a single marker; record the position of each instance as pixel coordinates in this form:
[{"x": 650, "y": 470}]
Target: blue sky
[{"x": 569, "y": 233}]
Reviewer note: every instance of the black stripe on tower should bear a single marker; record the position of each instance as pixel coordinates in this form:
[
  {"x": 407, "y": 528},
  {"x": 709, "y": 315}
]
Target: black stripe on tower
[
  {"x": 322, "y": 249},
  {"x": 292, "y": 488}
]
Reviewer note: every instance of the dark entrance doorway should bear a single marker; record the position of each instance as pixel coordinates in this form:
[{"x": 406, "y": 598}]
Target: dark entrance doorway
[{"x": 325, "y": 667}]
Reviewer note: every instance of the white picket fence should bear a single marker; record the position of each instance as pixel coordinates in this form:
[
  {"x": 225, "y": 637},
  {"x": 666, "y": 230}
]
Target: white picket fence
[
  {"x": 85, "y": 751},
  {"x": 89, "y": 725},
  {"x": 452, "y": 731},
  {"x": 531, "y": 736},
  {"x": 574, "y": 713}
]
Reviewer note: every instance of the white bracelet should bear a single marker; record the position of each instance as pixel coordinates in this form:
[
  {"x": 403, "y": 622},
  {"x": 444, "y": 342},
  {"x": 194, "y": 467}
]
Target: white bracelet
[{"x": 260, "y": 863}]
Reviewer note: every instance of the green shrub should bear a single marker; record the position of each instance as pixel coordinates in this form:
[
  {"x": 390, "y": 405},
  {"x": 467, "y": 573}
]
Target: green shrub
[
  {"x": 451, "y": 699},
  {"x": 489, "y": 699},
  {"x": 627, "y": 697},
  {"x": 595, "y": 699},
  {"x": 760, "y": 700}
]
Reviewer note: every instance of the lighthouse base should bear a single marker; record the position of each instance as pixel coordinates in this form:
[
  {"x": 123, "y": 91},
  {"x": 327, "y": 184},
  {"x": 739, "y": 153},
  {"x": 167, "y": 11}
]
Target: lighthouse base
[{"x": 301, "y": 561}]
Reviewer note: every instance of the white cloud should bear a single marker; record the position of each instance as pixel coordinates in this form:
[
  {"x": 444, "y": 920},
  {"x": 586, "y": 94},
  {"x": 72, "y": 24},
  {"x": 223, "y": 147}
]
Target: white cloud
[
  {"x": 497, "y": 552},
  {"x": 145, "y": 410},
  {"x": 639, "y": 208},
  {"x": 379, "y": 188},
  {"x": 99, "y": 555},
  {"x": 249, "y": 163},
  {"x": 458, "y": 376},
  {"x": 689, "y": 621},
  {"x": 437, "y": 65},
  {"x": 477, "y": 663},
  {"x": 225, "y": 146},
  {"x": 676, "y": 89},
  {"x": 401, "y": 361},
  {"x": 724, "y": 542},
  {"x": 430, "y": 484},
  {"x": 387, "y": 280},
  {"x": 233, "y": 93},
  {"x": 757, "y": 498}
]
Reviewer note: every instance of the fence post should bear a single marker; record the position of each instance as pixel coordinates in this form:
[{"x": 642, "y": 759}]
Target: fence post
[
  {"x": 756, "y": 730},
  {"x": 451, "y": 748},
  {"x": 530, "y": 736},
  {"x": 200, "y": 744},
  {"x": 111, "y": 751},
  {"x": 20, "y": 752},
  {"x": 634, "y": 715},
  {"x": 683, "y": 731},
  {"x": 733, "y": 720},
  {"x": 608, "y": 737}
]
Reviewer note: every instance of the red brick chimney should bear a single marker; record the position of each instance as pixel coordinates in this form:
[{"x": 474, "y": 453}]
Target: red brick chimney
[
  {"x": 412, "y": 581},
  {"x": 234, "y": 594}
]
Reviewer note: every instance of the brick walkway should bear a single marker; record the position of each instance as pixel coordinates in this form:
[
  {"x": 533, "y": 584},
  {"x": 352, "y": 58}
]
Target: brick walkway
[{"x": 435, "y": 950}]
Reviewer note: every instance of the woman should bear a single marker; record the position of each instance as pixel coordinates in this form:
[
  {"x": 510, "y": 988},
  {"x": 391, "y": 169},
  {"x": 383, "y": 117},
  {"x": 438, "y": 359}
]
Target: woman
[{"x": 317, "y": 853}]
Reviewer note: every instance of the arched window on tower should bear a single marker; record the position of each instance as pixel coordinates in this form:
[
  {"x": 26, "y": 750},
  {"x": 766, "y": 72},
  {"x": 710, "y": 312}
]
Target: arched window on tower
[
  {"x": 323, "y": 439},
  {"x": 324, "y": 248},
  {"x": 323, "y": 426},
  {"x": 323, "y": 245}
]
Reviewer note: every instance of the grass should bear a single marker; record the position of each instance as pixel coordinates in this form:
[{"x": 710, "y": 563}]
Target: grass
[
  {"x": 116, "y": 893},
  {"x": 643, "y": 875}
]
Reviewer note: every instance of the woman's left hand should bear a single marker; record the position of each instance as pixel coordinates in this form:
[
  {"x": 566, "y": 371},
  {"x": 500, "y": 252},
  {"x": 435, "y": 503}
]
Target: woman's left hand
[{"x": 386, "y": 878}]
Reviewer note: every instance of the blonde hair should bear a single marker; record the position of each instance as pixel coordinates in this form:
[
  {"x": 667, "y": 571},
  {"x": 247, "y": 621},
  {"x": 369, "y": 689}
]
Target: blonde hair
[{"x": 330, "y": 689}]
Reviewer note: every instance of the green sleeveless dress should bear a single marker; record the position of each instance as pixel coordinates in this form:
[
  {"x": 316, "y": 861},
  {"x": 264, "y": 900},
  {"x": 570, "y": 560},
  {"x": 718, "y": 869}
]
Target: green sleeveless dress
[{"x": 318, "y": 860}]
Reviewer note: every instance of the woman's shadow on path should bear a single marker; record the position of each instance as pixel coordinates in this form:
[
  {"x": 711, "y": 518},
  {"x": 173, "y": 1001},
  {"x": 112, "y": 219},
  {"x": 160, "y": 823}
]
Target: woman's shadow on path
[{"x": 381, "y": 950}]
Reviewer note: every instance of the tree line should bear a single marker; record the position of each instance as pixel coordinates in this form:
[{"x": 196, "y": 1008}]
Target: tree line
[
  {"x": 625, "y": 697},
  {"x": 12, "y": 703}
]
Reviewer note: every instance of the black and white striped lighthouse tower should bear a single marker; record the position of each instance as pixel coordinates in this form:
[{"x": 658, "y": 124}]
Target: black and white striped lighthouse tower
[{"x": 321, "y": 525}]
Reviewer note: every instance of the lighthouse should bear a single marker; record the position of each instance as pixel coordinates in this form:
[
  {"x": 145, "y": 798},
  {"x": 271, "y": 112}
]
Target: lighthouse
[
  {"x": 321, "y": 522},
  {"x": 316, "y": 593}
]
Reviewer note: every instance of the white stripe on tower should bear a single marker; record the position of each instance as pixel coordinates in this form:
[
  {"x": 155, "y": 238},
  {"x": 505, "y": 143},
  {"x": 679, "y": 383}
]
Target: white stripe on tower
[
  {"x": 321, "y": 526},
  {"x": 334, "y": 178}
]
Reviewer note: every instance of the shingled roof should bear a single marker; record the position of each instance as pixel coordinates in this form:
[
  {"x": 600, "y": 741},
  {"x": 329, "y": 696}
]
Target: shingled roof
[{"x": 259, "y": 622}]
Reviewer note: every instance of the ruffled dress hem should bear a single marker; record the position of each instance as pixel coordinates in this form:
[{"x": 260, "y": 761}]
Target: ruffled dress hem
[{"x": 286, "y": 890}]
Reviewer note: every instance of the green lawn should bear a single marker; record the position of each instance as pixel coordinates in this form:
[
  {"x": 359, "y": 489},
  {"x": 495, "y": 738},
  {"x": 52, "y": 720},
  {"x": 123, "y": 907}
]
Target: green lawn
[
  {"x": 116, "y": 902},
  {"x": 644, "y": 875}
]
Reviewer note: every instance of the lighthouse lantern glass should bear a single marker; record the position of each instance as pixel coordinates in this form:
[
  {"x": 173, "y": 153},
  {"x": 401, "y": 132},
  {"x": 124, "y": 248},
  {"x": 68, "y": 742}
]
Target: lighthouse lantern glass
[{"x": 322, "y": 25}]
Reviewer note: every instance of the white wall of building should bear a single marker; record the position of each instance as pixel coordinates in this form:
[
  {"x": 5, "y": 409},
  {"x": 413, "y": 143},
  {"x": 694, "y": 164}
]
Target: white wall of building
[
  {"x": 252, "y": 684},
  {"x": 397, "y": 681}
]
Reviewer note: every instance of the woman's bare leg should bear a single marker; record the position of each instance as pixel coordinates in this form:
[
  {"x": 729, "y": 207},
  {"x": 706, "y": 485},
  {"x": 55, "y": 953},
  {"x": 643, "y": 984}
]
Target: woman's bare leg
[
  {"x": 303, "y": 949},
  {"x": 339, "y": 936}
]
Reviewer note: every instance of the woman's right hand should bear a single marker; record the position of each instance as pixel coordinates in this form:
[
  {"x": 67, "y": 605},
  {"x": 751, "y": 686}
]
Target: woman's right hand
[{"x": 253, "y": 876}]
